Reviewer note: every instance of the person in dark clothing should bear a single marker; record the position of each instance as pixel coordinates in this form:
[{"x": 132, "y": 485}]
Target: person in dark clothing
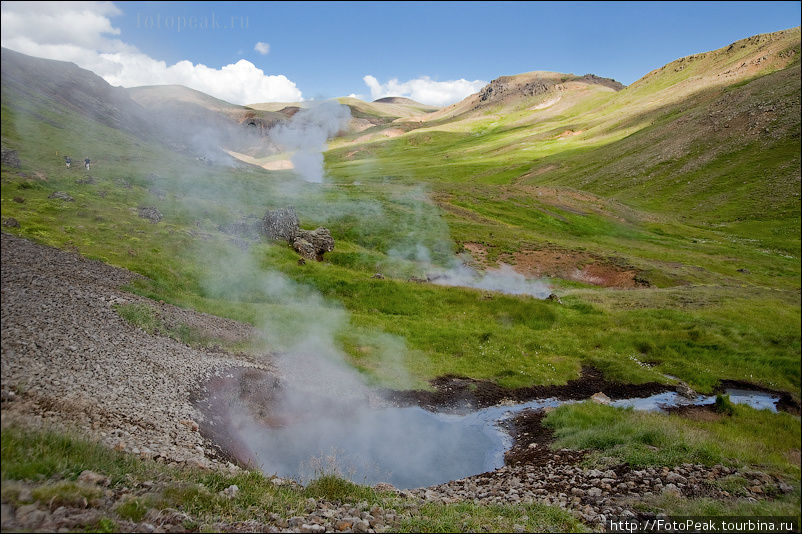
[
  {"x": 68, "y": 161},
  {"x": 86, "y": 162}
]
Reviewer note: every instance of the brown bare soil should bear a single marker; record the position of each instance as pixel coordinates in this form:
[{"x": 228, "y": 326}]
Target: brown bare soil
[
  {"x": 569, "y": 133},
  {"x": 532, "y": 442},
  {"x": 704, "y": 413},
  {"x": 577, "y": 266},
  {"x": 478, "y": 252}
]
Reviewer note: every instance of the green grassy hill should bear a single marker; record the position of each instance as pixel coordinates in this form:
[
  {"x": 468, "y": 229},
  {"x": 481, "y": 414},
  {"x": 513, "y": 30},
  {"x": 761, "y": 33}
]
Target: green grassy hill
[{"x": 665, "y": 215}]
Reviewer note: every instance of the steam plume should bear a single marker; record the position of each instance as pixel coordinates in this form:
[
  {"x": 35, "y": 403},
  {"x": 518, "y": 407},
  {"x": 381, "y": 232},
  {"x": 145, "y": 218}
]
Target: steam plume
[{"x": 306, "y": 134}]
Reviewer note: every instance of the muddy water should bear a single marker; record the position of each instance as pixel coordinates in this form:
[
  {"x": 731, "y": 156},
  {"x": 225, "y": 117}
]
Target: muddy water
[{"x": 411, "y": 447}]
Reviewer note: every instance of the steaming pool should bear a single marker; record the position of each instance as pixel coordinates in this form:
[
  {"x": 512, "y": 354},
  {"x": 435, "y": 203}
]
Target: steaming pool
[{"x": 410, "y": 447}]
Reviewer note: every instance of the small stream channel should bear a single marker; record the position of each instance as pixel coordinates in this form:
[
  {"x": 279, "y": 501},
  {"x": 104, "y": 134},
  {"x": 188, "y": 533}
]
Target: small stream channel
[{"x": 411, "y": 447}]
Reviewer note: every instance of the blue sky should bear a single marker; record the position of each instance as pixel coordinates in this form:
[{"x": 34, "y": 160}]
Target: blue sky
[{"x": 326, "y": 48}]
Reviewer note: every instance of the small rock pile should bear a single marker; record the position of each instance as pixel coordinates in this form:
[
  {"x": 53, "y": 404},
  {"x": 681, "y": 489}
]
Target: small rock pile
[
  {"x": 312, "y": 244},
  {"x": 61, "y": 195},
  {"x": 10, "y": 157},
  {"x": 282, "y": 225},
  {"x": 150, "y": 213}
]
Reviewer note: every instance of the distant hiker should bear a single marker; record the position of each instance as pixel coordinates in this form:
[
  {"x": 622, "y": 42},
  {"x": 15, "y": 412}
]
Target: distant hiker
[
  {"x": 86, "y": 162},
  {"x": 67, "y": 160}
]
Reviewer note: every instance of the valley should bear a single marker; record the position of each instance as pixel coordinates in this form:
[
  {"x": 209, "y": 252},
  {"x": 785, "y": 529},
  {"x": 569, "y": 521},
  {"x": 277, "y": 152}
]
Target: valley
[{"x": 551, "y": 236}]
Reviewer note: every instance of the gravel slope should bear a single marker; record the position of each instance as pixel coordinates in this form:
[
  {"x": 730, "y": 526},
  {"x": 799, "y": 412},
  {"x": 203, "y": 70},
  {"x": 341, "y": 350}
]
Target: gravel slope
[{"x": 68, "y": 358}]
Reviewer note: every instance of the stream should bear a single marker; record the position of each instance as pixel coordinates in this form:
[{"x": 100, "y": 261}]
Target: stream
[{"x": 410, "y": 447}]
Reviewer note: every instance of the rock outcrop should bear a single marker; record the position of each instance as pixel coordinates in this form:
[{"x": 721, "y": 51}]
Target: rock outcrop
[
  {"x": 281, "y": 224},
  {"x": 506, "y": 86},
  {"x": 150, "y": 213},
  {"x": 10, "y": 157},
  {"x": 61, "y": 195},
  {"x": 312, "y": 244},
  {"x": 600, "y": 398}
]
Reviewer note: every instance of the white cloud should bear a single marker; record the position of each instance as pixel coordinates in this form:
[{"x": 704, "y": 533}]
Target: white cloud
[
  {"x": 262, "y": 48},
  {"x": 82, "y": 32},
  {"x": 424, "y": 89}
]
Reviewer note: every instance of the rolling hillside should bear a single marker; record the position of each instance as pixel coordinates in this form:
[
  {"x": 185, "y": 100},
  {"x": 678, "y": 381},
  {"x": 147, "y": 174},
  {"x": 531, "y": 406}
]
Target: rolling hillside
[
  {"x": 659, "y": 224},
  {"x": 624, "y": 198}
]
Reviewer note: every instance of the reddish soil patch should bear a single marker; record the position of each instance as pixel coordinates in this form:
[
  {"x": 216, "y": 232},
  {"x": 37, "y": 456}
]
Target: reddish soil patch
[
  {"x": 289, "y": 111},
  {"x": 577, "y": 266},
  {"x": 460, "y": 394},
  {"x": 478, "y": 252},
  {"x": 569, "y": 133}
]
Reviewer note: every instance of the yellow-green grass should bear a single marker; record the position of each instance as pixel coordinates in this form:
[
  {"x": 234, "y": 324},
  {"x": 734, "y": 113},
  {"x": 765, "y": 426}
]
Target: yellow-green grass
[{"x": 748, "y": 437}]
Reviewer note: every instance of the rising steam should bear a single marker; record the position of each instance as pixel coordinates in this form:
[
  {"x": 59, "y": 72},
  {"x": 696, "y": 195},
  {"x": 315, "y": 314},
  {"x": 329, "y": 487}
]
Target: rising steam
[
  {"x": 329, "y": 410},
  {"x": 504, "y": 280},
  {"x": 306, "y": 133}
]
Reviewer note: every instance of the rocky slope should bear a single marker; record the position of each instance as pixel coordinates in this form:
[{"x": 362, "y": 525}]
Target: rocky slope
[{"x": 69, "y": 360}]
